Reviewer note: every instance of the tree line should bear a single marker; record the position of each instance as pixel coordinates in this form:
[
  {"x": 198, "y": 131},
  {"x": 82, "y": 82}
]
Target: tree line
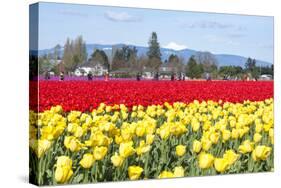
[{"x": 126, "y": 59}]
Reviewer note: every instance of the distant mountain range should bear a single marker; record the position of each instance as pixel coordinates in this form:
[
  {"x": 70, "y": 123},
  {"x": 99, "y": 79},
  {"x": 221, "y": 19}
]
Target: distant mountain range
[{"x": 222, "y": 59}]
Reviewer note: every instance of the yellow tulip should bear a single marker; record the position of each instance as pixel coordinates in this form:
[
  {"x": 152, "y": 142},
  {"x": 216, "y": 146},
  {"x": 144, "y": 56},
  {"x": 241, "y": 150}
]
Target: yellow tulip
[
  {"x": 206, "y": 144},
  {"x": 234, "y": 134},
  {"x": 135, "y": 172},
  {"x": 99, "y": 152},
  {"x": 166, "y": 174},
  {"x": 99, "y": 139},
  {"x": 164, "y": 132},
  {"x": 78, "y": 132},
  {"x": 196, "y": 147},
  {"x": 143, "y": 148},
  {"x": 126, "y": 149},
  {"x": 261, "y": 152},
  {"x": 87, "y": 160},
  {"x": 259, "y": 127},
  {"x": 72, "y": 143},
  {"x": 117, "y": 160},
  {"x": 195, "y": 124},
  {"x": 63, "y": 174},
  {"x": 43, "y": 146},
  {"x": 63, "y": 161},
  {"x": 63, "y": 169},
  {"x": 246, "y": 147},
  {"x": 149, "y": 138},
  {"x": 221, "y": 164},
  {"x": 118, "y": 139},
  {"x": 230, "y": 156},
  {"x": 179, "y": 171},
  {"x": 257, "y": 137},
  {"x": 214, "y": 137},
  {"x": 206, "y": 160},
  {"x": 140, "y": 130},
  {"x": 47, "y": 132},
  {"x": 226, "y": 134},
  {"x": 180, "y": 150},
  {"x": 108, "y": 109}
]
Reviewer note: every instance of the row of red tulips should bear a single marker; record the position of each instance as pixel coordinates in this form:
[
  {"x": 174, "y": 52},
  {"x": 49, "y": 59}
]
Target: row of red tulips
[{"x": 85, "y": 95}]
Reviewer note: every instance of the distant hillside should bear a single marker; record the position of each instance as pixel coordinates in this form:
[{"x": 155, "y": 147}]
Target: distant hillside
[{"x": 222, "y": 59}]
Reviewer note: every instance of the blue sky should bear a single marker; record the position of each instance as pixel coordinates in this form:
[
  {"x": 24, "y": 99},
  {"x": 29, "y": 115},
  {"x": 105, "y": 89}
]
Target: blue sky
[{"x": 249, "y": 36}]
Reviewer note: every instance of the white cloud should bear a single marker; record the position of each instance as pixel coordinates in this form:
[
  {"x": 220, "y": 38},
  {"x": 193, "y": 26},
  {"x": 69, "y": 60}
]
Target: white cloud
[
  {"x": 175, "y": 46},
  {"x": 121, "y": 17}
]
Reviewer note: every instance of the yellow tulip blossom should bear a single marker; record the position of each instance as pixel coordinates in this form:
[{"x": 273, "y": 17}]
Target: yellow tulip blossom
[
  {"x": 99, "y": 152},
  {"x": 42, "y": 147},
  {"x": 230, "y": 156},
  {"x": 195, "y": 124},
  {"x": 180, "y": 150},
  {"x": 142, "y": 148},
  {"x": 135, "y": 172},
  {"x": 126, "y": 149},
  {"x": 221, "y": 164},
  {"x": 196, "y": 146},
  {"x": 63, "y": 169},
  {"x": 179, "y": 171},
  {"x": 166, "y": 174},
  {"x": 214, "y": 137},
  {"x": 117, "y": 160},
  {"x": 149, "y": 139},
  {"x": 257, "y": 137},
  {"x": 246, "y": 147},
  {"x": 164, "y": 131},
  {"x": 226, "y": 134},
  {"x": 87, "y": 160},
  {"x": 72, "y": 143},
  {"x": 206, "y": 160},
  {"x": 140, "y": 131},
  {"x": 261, "y": 152},
  {"x": 206, "y": 144},
  {"x": 63, "y": 174}
]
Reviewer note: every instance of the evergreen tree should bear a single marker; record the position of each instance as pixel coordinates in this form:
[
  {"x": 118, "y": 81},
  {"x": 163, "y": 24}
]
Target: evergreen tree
[
  {"x": 118, "y": 61},
  {"x": 251, "y": 68},
  {"x": 249, "y": 65},
  {"x": 193, "y": 69},
  {"x": 176, "y": 63},
  {"x": 99, "y": 56},
  {"x": 126, "y": 57},
  {"x": 153, "y": 53}
]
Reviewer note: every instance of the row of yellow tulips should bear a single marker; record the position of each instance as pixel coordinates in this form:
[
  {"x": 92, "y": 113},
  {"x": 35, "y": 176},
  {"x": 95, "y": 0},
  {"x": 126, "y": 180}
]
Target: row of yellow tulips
[{"x": 114, "y": 143}]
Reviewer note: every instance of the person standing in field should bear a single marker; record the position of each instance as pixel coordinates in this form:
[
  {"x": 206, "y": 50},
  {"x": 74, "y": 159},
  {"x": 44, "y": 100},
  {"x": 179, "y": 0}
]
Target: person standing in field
[
  {"x": 138, "y": 76},
  {"x": 47, "y": 75},
  {"x": 156, "y": 77},
  {"x": 180, "y": 76},
  {"x": 208, "y": 77},
  {"x": 106, "y": 76},
  {"x": 61, "y": 76},
  {"x": 172, "y": 77},
  {"x": 90, "y": 76}
]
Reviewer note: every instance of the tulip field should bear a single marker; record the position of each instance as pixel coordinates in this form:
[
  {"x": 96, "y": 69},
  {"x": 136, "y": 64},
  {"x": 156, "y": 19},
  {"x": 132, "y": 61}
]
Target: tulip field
[{"x": 98, "y": 131}]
